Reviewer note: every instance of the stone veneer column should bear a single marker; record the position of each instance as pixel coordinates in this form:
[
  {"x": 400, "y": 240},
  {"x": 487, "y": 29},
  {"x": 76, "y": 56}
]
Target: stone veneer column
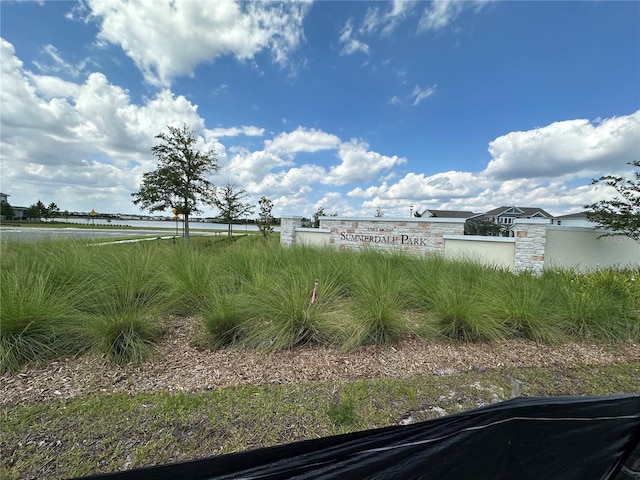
[
  {"x": 531, "y": 240},
  {"x": 288, "y": 227}
]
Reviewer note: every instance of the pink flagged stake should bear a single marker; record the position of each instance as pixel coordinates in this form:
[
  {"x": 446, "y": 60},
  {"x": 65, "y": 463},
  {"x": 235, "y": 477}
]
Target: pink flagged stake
[{"x": 314, "y": 293}]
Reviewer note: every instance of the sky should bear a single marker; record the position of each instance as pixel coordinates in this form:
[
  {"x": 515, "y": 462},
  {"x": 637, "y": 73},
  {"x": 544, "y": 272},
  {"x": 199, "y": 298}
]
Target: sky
[{"x": 354, "y": 107}]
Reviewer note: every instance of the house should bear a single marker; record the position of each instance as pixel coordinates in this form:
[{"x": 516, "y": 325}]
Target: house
[
  {"x": 506, "y": 215},
  {"x": 578, "y": 219},
  {"x": 447, "y": 213},
  {"x": 19, "y": 213}
]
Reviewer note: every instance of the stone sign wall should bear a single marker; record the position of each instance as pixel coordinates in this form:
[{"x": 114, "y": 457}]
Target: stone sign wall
[
  {"x": 420, "y": 236},
  {"x": 417, "y": 236}
]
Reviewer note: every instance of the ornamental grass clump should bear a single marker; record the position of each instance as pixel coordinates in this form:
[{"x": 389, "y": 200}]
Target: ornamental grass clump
[
  {"x": 460, "y": 310},
  {"x": 128, "y": 302},
  {"x": 35, "y": 316},
  {"x": 282, "y": 312},
  {"x": 521, "y": 301},
  {"x": 223, "y": 319},
  {"x": 191, "y": 276},
  {"x": 378, "y": 300},
  {"x": 598, "y": 305},
  {"x": 424, "y": 275}
]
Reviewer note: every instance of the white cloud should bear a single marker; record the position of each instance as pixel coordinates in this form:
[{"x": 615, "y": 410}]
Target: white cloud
[
  {"x": 571, "y": 147},
  {"x": 248, "y": 130},
  {"x": 58, "y": 65},
  {"x": 398, "y": 11},
  {"x": 440, "y": 13},
  {"x": 166, "y": 39},
  {"x": 296, "y": 181},
  {"x": 419, "y": 94},
  {"x": 351, "y": 45},
  {"x": 252, "y": 167},
  {"x": 58, "y": 133},
  {"x": 302, "y": 140},
  {"x": 360, "y": 164}
]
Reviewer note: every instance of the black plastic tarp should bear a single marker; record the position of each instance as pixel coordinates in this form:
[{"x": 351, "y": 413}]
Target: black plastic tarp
[{"x": 544, "y": 438}]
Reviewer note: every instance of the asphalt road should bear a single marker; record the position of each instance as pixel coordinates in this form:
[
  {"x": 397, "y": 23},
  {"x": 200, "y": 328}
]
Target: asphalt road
[{"x": 36, "y": 233}]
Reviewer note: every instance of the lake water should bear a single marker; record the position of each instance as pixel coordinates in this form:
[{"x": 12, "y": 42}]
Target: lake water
[
  {"x": 168, "y": 224},
  {"x": 131, "y": 228}
]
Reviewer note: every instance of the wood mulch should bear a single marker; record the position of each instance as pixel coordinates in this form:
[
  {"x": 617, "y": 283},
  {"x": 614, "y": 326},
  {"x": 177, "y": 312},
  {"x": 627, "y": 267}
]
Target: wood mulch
[{"x": 180, "y": 365}]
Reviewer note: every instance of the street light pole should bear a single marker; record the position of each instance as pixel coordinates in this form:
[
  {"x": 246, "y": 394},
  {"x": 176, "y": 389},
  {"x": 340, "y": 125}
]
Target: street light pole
[{"x": 411, "y": 211}]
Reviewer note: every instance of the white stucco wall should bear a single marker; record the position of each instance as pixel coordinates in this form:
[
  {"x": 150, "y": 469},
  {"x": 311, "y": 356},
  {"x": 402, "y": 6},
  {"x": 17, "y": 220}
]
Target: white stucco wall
[
  {"x": 495, "y": 251},
  {"x": 317, "y": 237},
  {"x": 580, "y": 248}
]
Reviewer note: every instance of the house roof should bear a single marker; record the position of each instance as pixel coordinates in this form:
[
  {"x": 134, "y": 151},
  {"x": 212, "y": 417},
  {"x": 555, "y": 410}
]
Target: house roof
[
  {"x": 450, "y": 213},
  {"x": 576, "y": 215},
  {"x": 520, "y": 212}
]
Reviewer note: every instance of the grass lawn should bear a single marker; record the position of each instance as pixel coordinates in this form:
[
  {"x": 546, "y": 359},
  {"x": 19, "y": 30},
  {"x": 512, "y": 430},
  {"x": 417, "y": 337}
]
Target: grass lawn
[{"x": 98, "y": 433}]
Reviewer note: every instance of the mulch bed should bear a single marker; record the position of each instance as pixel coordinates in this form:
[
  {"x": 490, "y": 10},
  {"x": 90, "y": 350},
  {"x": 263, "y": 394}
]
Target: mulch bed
[{"x": 180, "y": 365}]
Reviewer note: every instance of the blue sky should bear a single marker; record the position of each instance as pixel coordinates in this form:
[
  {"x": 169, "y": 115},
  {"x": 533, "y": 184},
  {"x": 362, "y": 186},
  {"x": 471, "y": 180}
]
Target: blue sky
[{"x": 350, "y": 106}]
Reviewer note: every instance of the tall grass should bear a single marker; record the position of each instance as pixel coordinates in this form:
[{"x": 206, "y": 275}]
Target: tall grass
[
  {"x": 279, "y": 311},
  {"x": 525, "y": 304},
  {"x": 35, "y": 316},
  {"x": 600, "y": 305},
  {"x": 378, "y": 299},
  {"x": 60, "y": 298},
  {"x": 128, "y": 302}
]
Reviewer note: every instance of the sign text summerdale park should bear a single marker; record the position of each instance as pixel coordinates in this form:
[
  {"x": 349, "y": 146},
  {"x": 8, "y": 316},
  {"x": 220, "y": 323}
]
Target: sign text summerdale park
[{"x": 401, "y": 239}]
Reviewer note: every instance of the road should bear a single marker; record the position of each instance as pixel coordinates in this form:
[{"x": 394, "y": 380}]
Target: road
[{"x": 37, "y": 233}]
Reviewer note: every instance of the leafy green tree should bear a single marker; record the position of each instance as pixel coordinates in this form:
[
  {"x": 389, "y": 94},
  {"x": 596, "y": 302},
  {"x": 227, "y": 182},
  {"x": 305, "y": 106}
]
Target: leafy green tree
[
  {"x": 621, "y": 214},
  {"x": 180, "y": 180},
  {"x": 229, "y": 201},
  {"x": 33, "y": 212},
  {"x": 37, "y": 210},
  {"x": 265, "y": 220},
  {"x": 482, "y": 227},
  {"x": 321, "y": 213},
  {"x": 52, "y": 211},
  {"x": 6, "y": 211}
]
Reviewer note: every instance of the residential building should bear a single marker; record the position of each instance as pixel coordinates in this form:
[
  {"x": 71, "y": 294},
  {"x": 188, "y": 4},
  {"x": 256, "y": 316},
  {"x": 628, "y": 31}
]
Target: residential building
[
  {"x": 578, "y": 219},
  {"x": 447, "y": 213}
]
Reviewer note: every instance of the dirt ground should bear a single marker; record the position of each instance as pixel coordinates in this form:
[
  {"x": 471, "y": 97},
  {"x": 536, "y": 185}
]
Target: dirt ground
[{"x": 180, "y": 365}]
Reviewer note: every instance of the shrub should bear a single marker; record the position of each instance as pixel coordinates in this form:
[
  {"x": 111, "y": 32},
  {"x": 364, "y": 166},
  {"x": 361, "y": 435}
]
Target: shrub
[
  {"x": 223, "y": 319},
  {"x": 35, "y": 316},
  {"x": 460, "y": 312},
  {"x": 521, "y": 301},
  {"x": 279, "y": 311},
  {"x": 129, "y": 300},
  {"x": 378, "y": 300},
  {"x": 191, "y": 278}
]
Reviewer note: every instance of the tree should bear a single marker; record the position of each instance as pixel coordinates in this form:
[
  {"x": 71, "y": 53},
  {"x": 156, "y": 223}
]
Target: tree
[
  {"x": 33, "y": 212},
  {"x": 52, "y": 211},
  {"x": 180, "y": 180},
  {"x": 6, "y": 211},
  {"x": 379, "y": 213},
  {"x": 229, "y": 201},
  {"x": 484, "y": 227},
  {"x": 321, "y": 213},
  {"x": 621, "y": 215},
  {"x": 37, "y": 210},
  {"x": 265, "y": 220}
]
